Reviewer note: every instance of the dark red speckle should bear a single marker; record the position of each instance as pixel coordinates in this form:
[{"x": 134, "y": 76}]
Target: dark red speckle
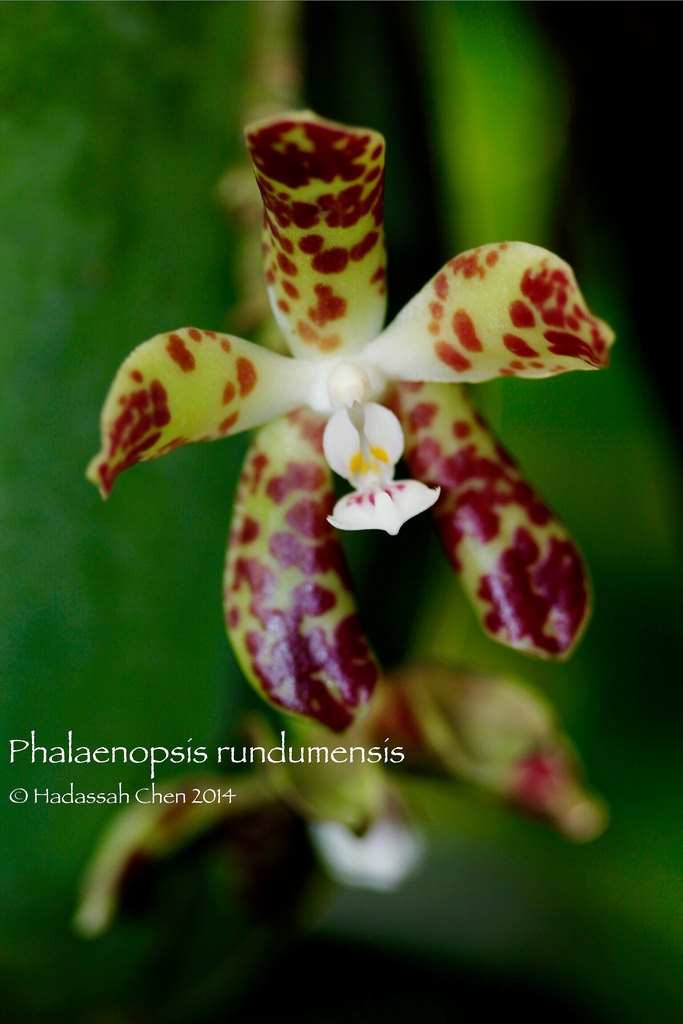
[
  {"x": 334, "y": 154},
  {"x": 543, "y": 601},
  {"x": 249, "y": 532},
  {"x": 363, "y": 247},
  {"x": 331, "y": 261},
  {"x": 441, "y": 286},
  {"x": 465, "y": 332},
  {"x": 518, "y": 346},
  {"x": 311, "y": 244},
  {"x": 329, "y": 306},
  {"x": 180, "y": 354},
  {"x": 286, "y": 265},
  {"x": 451, "y": 357},
  {"x": 422, "y": 415},
  {"x": 521, "y": 315},
  {"x": 246, "y": 376}
]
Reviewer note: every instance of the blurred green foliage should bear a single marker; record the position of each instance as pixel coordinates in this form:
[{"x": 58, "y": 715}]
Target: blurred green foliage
[{"x": 116, "y": 123}]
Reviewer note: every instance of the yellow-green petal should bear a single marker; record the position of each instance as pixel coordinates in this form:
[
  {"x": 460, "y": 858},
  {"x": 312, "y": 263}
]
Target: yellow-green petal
[
  {"x": 322, "y": 186},
  {"x": 289, "y": 607},
  {"x": 191, "y": 385},
  {"x": 519, "y": 567},
  {"x": 503, "y": 310}
]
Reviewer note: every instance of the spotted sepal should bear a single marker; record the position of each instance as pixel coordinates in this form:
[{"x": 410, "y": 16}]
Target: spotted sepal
[
  {"x": 191, "y": 385},
  {"x": 322, "y": 186},
  {"x": 519, "y": 566},
  {"x": 289, "y": 608},
  {"x": 503, "y": 310}
]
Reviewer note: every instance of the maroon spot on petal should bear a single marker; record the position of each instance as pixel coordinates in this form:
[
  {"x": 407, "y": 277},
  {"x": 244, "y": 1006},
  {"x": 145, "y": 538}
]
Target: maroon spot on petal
[
  {"x": 467, "y": 264},
  {"x": 290, "y": 289},
  {"x": 180, "y": 354},
  {"x": 228, "y": 422},
  {"x": 461, "y": 429},
  {"x": 136, "y": 376},
  {"x": 329, "y": 306},
  {"x": 491, "y": 258},
  {"x": 246, "y": 376},
  {"x": 249, "y": 531},
  {"x": 451, "y": 357},
  {"x": 311, "y": 244},
  {"x": 160, "y": 412},
  {"x": 521, "y": 315},
  {"x": 562, "y": 343},
  {"x": 331, "y": 261},
  {"x": 465, "y": 332},
  {"x": 441, "y": 286},
  {"x": 363, "y": 247},
  {"x": 422, "y": 415},
  {"x": 228, "y": 392},
  {"x": 195, "y": 334},
  {"x": 312, "y": 599},
  {"x": 532, "y": 600},
  {"x": 518, "y": 346},
  {"x": 286, "y": 265}
]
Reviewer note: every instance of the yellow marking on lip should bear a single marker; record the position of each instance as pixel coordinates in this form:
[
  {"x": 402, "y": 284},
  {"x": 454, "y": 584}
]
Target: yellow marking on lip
[{"x": 357, "y": 465}]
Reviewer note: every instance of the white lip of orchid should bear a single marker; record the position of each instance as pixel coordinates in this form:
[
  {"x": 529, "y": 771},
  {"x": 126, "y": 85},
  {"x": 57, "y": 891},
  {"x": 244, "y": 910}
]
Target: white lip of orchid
[{"x": 362, "y": 442}]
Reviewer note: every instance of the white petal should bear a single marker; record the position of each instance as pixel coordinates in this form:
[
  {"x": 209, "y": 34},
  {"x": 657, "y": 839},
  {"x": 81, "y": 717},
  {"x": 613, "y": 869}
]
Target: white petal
[
  {"x": 383, "y": 431},
  {"x": 363, "y": 444},
  {"x": 384, "y": 508},
  {"x": 340, "y": 442}
]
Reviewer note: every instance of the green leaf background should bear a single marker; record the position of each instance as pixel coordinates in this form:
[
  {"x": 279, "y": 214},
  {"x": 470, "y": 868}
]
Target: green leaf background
[{"x": 116, "y": 122}]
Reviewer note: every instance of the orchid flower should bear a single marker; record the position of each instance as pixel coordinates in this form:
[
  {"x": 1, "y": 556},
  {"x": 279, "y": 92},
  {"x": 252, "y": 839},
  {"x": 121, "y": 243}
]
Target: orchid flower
[{"x": 343, "y": 402}]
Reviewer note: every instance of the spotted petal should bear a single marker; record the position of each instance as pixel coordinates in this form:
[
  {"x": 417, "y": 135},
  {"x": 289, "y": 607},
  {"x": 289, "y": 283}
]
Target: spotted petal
[
  {"x": 508, "y": 309},
  {"x": 289, "y": 608},
  {"x": 191, "y": 385},
  {"x": 322, "y": 186},
  {"x": 519, "y": 566}
]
